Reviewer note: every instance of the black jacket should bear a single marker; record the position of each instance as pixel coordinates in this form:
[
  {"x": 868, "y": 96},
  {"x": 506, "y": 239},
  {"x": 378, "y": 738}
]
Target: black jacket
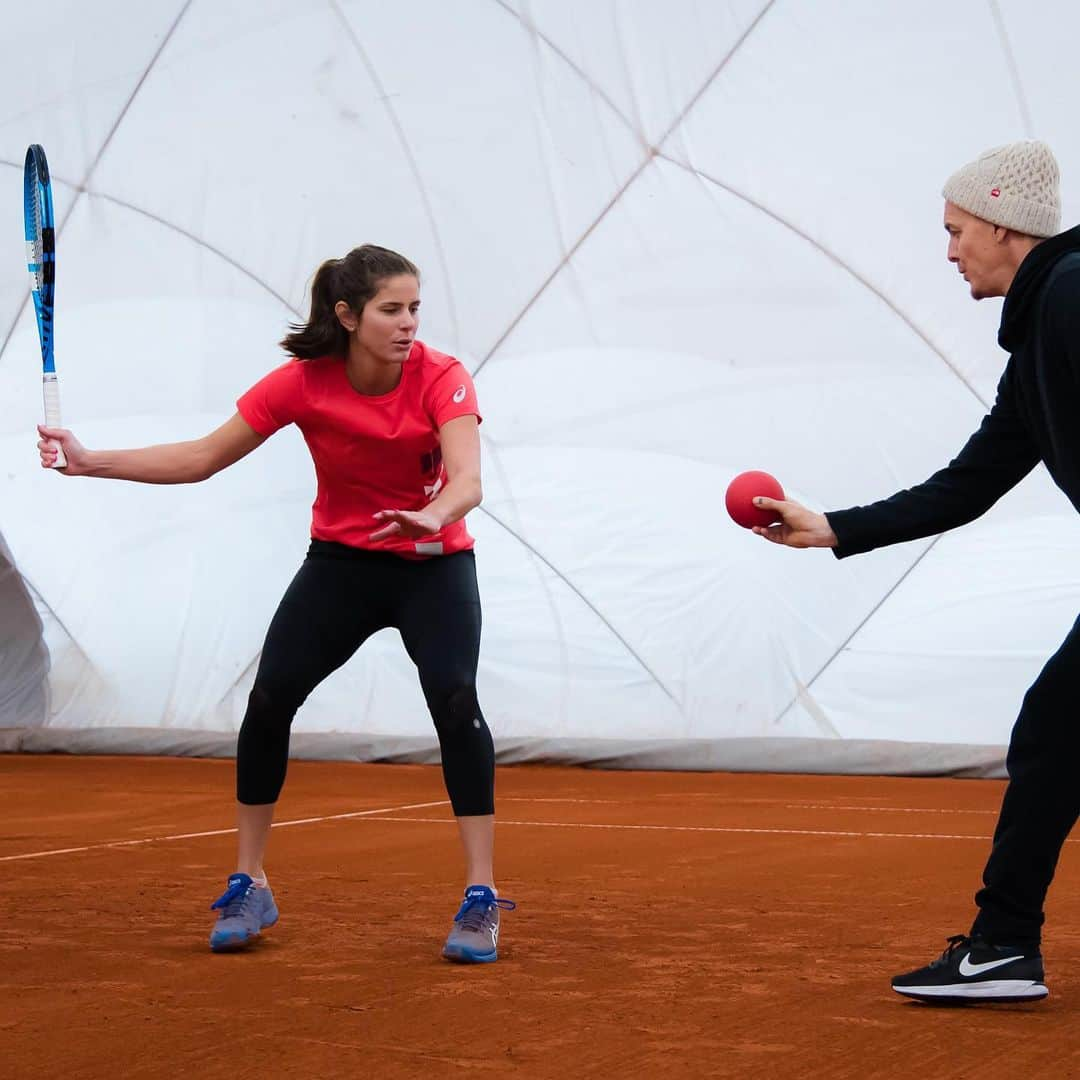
[{"x": 1036, "y": 416}]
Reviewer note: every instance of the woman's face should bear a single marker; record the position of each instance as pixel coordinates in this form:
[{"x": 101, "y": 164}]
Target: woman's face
[{"x": 387, "y": 325}]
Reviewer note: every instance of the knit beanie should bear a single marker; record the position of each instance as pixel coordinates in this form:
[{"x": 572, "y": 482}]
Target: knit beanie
[{"x": 1015, "y": 186}]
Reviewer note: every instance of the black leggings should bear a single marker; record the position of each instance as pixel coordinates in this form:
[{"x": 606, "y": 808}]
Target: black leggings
[
  {"x": 339, "y": 598},
  {"x": 1041, "y": 803}
]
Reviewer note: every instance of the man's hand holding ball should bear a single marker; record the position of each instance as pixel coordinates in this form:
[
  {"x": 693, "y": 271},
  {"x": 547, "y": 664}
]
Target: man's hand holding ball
[{"x": 755, "y": 500}]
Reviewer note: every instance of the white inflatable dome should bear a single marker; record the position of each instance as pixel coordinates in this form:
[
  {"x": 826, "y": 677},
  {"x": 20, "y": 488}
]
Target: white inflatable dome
[{"x": 672, "y": 241}]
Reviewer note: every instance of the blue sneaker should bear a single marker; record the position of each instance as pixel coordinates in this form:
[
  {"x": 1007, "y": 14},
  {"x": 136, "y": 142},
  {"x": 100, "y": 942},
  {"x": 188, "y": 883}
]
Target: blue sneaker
[
  {"x": 474, "y": 937},
  {"x": 245, "y": 910}
]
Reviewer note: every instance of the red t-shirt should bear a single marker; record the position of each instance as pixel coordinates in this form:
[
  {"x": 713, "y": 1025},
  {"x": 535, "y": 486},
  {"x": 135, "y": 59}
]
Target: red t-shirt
[{"x": 371, "y": 453}]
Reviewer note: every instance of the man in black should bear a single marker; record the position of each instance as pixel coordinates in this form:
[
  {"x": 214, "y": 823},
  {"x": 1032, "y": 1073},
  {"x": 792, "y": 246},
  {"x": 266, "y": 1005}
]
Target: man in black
[{"x": 1002, "y": 214}]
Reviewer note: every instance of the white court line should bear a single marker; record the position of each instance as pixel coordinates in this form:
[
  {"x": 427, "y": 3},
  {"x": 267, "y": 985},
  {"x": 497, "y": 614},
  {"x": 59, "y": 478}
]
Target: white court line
[
  {"x": 222, "y": 832},
  {"x": 751, "y": 804},
  {"x": 717, "y": 829},
  {"x": 884, "y": 809},
  {"x": 709, "y": 829},
  {"x": 371, "y": 814},
  {"x": 530, "y": 798}
]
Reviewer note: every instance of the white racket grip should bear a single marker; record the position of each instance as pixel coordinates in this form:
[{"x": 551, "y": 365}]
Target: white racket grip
[{"x": 51, "y": 389}]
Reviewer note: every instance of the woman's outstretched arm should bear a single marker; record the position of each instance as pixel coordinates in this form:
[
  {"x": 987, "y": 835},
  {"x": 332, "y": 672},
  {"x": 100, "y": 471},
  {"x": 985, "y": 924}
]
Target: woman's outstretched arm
[{"x": 170, "y": 463}]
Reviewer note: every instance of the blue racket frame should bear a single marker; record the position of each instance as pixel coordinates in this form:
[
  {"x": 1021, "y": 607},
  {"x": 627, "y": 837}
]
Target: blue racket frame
[{"x": 40, "y": 247}]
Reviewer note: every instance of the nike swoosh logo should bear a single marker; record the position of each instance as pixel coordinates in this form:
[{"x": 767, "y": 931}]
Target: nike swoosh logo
[{"x": 967, "y": 968}]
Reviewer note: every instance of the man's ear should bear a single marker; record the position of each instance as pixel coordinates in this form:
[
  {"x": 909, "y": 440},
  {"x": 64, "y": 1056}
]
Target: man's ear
[{"x": 346, "y": 316}]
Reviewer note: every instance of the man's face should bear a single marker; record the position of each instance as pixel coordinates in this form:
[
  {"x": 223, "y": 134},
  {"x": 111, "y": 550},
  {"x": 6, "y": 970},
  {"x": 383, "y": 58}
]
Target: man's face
[{"x": 979, "y": 251}]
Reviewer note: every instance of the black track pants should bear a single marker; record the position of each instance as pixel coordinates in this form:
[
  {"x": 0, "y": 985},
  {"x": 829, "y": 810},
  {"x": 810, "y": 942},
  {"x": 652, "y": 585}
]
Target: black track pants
[{"x": 1041, "y": 803}]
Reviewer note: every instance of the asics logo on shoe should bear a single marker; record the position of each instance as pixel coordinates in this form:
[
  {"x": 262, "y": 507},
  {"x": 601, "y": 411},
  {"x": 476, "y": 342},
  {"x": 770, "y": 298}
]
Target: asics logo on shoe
[{"x": 967, "y": 968}]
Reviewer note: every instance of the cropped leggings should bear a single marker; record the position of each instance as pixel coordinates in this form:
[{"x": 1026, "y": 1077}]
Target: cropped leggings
[{"x": 339, "y": 598}]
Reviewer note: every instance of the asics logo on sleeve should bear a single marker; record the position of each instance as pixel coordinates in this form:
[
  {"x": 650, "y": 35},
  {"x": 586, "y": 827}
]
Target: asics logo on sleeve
[
  {"x": 459, "y": 395},
  {"x": 967, "y": 968}
]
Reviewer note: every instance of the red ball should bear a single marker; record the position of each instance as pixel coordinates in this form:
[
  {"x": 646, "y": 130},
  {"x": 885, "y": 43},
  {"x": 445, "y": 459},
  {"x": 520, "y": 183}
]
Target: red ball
[{"x": 740, "y": 496}]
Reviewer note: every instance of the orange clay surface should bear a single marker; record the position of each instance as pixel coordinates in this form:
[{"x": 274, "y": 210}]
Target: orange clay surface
[{"x": 668, "y": 925}]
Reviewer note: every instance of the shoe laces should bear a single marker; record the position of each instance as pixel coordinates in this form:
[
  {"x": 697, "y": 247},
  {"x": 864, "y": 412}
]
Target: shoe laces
[
  {"x": 956, "y": 942},
  {"x": 233, "y": 900},
  {"x": 474, "y": 910}
]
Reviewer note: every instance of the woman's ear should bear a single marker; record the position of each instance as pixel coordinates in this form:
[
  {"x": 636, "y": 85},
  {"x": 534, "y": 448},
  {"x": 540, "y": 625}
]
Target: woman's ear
[{"x": 346, "y": 316}]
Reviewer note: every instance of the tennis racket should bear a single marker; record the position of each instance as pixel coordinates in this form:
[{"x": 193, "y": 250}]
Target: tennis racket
[{"x": 41, "y": 262}]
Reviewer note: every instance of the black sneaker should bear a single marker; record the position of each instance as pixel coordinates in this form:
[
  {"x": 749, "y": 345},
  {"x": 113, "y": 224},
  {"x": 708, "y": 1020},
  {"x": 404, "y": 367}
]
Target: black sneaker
[{"x": 972, "y": 970}]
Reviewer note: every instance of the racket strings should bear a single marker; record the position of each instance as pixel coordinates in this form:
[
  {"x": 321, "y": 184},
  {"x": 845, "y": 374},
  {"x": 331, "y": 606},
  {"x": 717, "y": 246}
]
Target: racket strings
[
  {"x": 40, "y": 243},
  {"x": 36, "y": 243}
]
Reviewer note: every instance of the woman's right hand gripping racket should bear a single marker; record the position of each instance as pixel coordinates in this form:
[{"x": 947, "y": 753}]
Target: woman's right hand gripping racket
[{"x": 41, "y": 262}]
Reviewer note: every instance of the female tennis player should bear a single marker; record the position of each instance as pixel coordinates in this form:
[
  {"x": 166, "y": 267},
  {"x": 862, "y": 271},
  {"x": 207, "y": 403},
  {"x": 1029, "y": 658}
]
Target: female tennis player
[{"x": 392, "y": 426}]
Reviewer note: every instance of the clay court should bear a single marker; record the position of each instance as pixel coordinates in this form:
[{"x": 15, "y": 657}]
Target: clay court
[{"x": 668, "y": 924}]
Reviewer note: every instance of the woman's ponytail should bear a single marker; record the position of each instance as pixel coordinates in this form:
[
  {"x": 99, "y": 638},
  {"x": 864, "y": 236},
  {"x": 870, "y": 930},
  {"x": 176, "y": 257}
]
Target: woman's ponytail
[{"x": 322, "y": 334}]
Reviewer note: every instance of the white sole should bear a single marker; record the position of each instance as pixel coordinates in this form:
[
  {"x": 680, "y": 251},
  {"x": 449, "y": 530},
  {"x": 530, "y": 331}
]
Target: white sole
[{"x": 996, "y": 990}]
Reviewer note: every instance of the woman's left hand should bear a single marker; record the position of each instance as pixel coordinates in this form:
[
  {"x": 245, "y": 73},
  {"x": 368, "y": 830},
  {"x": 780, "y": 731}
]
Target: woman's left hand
[{"x": 411, "y": 524}]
